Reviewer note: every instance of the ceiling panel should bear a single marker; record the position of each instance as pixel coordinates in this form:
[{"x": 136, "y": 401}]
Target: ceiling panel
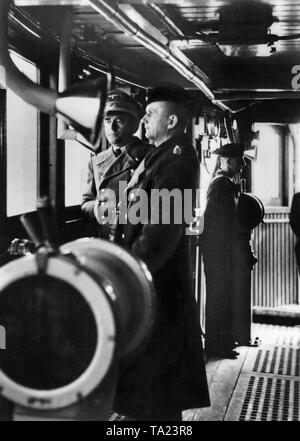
[{"x": 181, "y": 20}]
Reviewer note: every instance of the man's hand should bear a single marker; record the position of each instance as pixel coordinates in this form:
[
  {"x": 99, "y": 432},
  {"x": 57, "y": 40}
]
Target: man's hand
[
  {"x": 105, "y": 207},
  {"x": 97, "y": 212}
]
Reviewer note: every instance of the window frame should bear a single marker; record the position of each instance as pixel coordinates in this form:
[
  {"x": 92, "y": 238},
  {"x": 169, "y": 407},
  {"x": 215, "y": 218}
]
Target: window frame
[
  {"x": 38, "y": 139},
  {"x": 283, "y": 165},
  {"x": 10, "y": 226}
]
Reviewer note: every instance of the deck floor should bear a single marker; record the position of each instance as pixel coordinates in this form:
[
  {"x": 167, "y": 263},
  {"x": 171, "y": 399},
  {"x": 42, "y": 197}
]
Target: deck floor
[{"x": 262, "y": 384}]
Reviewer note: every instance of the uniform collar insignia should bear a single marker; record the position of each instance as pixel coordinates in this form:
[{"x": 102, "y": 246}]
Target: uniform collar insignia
[
  {"x": 103, "y": 156},
  {"x": 177, "y": 150}
]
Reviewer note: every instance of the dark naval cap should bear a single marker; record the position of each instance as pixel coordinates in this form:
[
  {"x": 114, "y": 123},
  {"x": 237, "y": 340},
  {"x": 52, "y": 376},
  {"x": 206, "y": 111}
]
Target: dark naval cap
[
  {"x": 233, "y": 150},
  {"x": 118, "y": 101},
  {"x": 167, "y": 92}
]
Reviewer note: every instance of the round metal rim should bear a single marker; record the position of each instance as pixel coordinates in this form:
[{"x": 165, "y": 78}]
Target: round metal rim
[
  {"x": 99, "y": 366},
  {"x": 140, "y": 267}
]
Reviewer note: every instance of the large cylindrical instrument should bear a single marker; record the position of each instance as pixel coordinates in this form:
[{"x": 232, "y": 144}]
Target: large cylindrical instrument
[{"x": 68, "y": 318}]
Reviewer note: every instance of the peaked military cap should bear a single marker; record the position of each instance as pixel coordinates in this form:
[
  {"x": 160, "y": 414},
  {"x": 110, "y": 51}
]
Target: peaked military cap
[
  {"x": 232, "y": 150},
  {"x": 167, "y": 92},
  {"x": 119, "y": 101}
]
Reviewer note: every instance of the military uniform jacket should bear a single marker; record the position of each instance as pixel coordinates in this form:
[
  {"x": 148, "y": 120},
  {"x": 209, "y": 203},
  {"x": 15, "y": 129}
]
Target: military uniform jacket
[
  {"x": 171, "y": 372},
  {"x": 105, "y": 170}
]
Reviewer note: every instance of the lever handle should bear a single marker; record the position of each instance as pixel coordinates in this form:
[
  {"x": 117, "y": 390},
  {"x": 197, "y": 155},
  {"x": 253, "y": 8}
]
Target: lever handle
[
  {"x": 47, "y": 219},
  {"x": 32, "y": 224}
]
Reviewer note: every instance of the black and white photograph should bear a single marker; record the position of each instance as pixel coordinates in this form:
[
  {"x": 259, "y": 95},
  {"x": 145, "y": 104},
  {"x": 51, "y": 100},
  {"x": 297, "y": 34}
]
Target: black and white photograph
[{"x": 149, "y": 213}]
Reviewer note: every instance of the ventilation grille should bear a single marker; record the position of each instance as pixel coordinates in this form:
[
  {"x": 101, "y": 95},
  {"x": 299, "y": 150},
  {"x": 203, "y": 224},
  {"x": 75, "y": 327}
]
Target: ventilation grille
[
  {"x": 268, "y": 387},
  {"x": 278, "y": 360},
  {"x": 271, "y": 399},
  {"x": 274, "y": 279}
]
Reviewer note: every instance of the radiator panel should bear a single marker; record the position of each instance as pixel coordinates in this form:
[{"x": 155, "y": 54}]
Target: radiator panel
[{"x": 275, "y": 276}]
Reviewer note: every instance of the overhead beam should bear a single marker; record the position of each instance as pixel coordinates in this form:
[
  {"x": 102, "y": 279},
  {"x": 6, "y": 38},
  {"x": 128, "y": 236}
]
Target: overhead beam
[
  {"x": 146, "y": 26},
  {"x": 258, "y": 96},
  {"x": 95, "y": 63},
  {"x": 150, "y": 38},
  {"x": 185, "y": 3},
  {"x": 51, "y": 2},
  {"x": 178, "y": 61},
  {"x": 164, "y": 18},
  {"x": 85, "y": 2},
  {"x": 142, "y": 28}
]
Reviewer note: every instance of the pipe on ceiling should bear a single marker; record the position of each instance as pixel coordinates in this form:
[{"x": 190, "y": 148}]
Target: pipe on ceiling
[
  {"x": 228, "y": 127},
  {"x": 261, "y": 96},
  {"x": 120, "y": 20},
  {"x": 64, "y": 69},
  {"x": 165, "y": 19},
  {"x": 30, "y": 92}
]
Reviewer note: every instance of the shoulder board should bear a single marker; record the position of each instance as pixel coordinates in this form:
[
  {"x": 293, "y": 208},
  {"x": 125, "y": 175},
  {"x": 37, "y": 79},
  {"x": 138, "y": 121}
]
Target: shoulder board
[{"x": 216, "y": 178}]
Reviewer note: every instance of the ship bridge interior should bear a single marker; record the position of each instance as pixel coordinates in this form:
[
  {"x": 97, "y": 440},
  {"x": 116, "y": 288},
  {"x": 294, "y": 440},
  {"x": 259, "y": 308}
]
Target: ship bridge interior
[{"x": 240, "y": 62}]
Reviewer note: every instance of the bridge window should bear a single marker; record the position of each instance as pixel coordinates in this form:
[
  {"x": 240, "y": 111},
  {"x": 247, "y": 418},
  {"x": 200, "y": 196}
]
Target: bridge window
[
  {"x": 268, "y": 169},
  {"x": 76, "y": 167},
  {"x": 22, "y": 147}
]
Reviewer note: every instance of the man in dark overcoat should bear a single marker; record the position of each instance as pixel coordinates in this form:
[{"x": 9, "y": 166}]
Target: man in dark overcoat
[
  {"x": 169, "y": 376},
  {"x": 228, "y": 259},
  {"x": 108, "y": 168}
]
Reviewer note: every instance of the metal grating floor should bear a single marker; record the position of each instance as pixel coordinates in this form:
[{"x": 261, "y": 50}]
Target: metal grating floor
[
  {"x": 279, "y": 360},
  {"x": 271, "y": 399},
  {"x": 268, "y": 387}
]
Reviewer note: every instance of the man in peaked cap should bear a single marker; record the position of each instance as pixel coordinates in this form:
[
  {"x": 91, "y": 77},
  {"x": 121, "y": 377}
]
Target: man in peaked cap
[
  {"x": 170, "y": 374},
  {"x": 106, "y": 169},
  {"x": 233, "y": 158},
  {"x": 228, "y": 259}
]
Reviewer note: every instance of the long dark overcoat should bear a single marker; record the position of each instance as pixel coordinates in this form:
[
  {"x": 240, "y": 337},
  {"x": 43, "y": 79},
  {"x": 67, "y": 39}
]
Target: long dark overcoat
[
  {"x": 170, "y": 374},
  {"x": 227, "y": 263}
]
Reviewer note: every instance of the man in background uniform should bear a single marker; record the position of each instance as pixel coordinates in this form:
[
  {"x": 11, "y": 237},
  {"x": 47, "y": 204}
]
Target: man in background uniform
[
  {"x": 170, "y": 374},
  {"x": 106, "y": 169},
  {"x": 228, "y": 259}
]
